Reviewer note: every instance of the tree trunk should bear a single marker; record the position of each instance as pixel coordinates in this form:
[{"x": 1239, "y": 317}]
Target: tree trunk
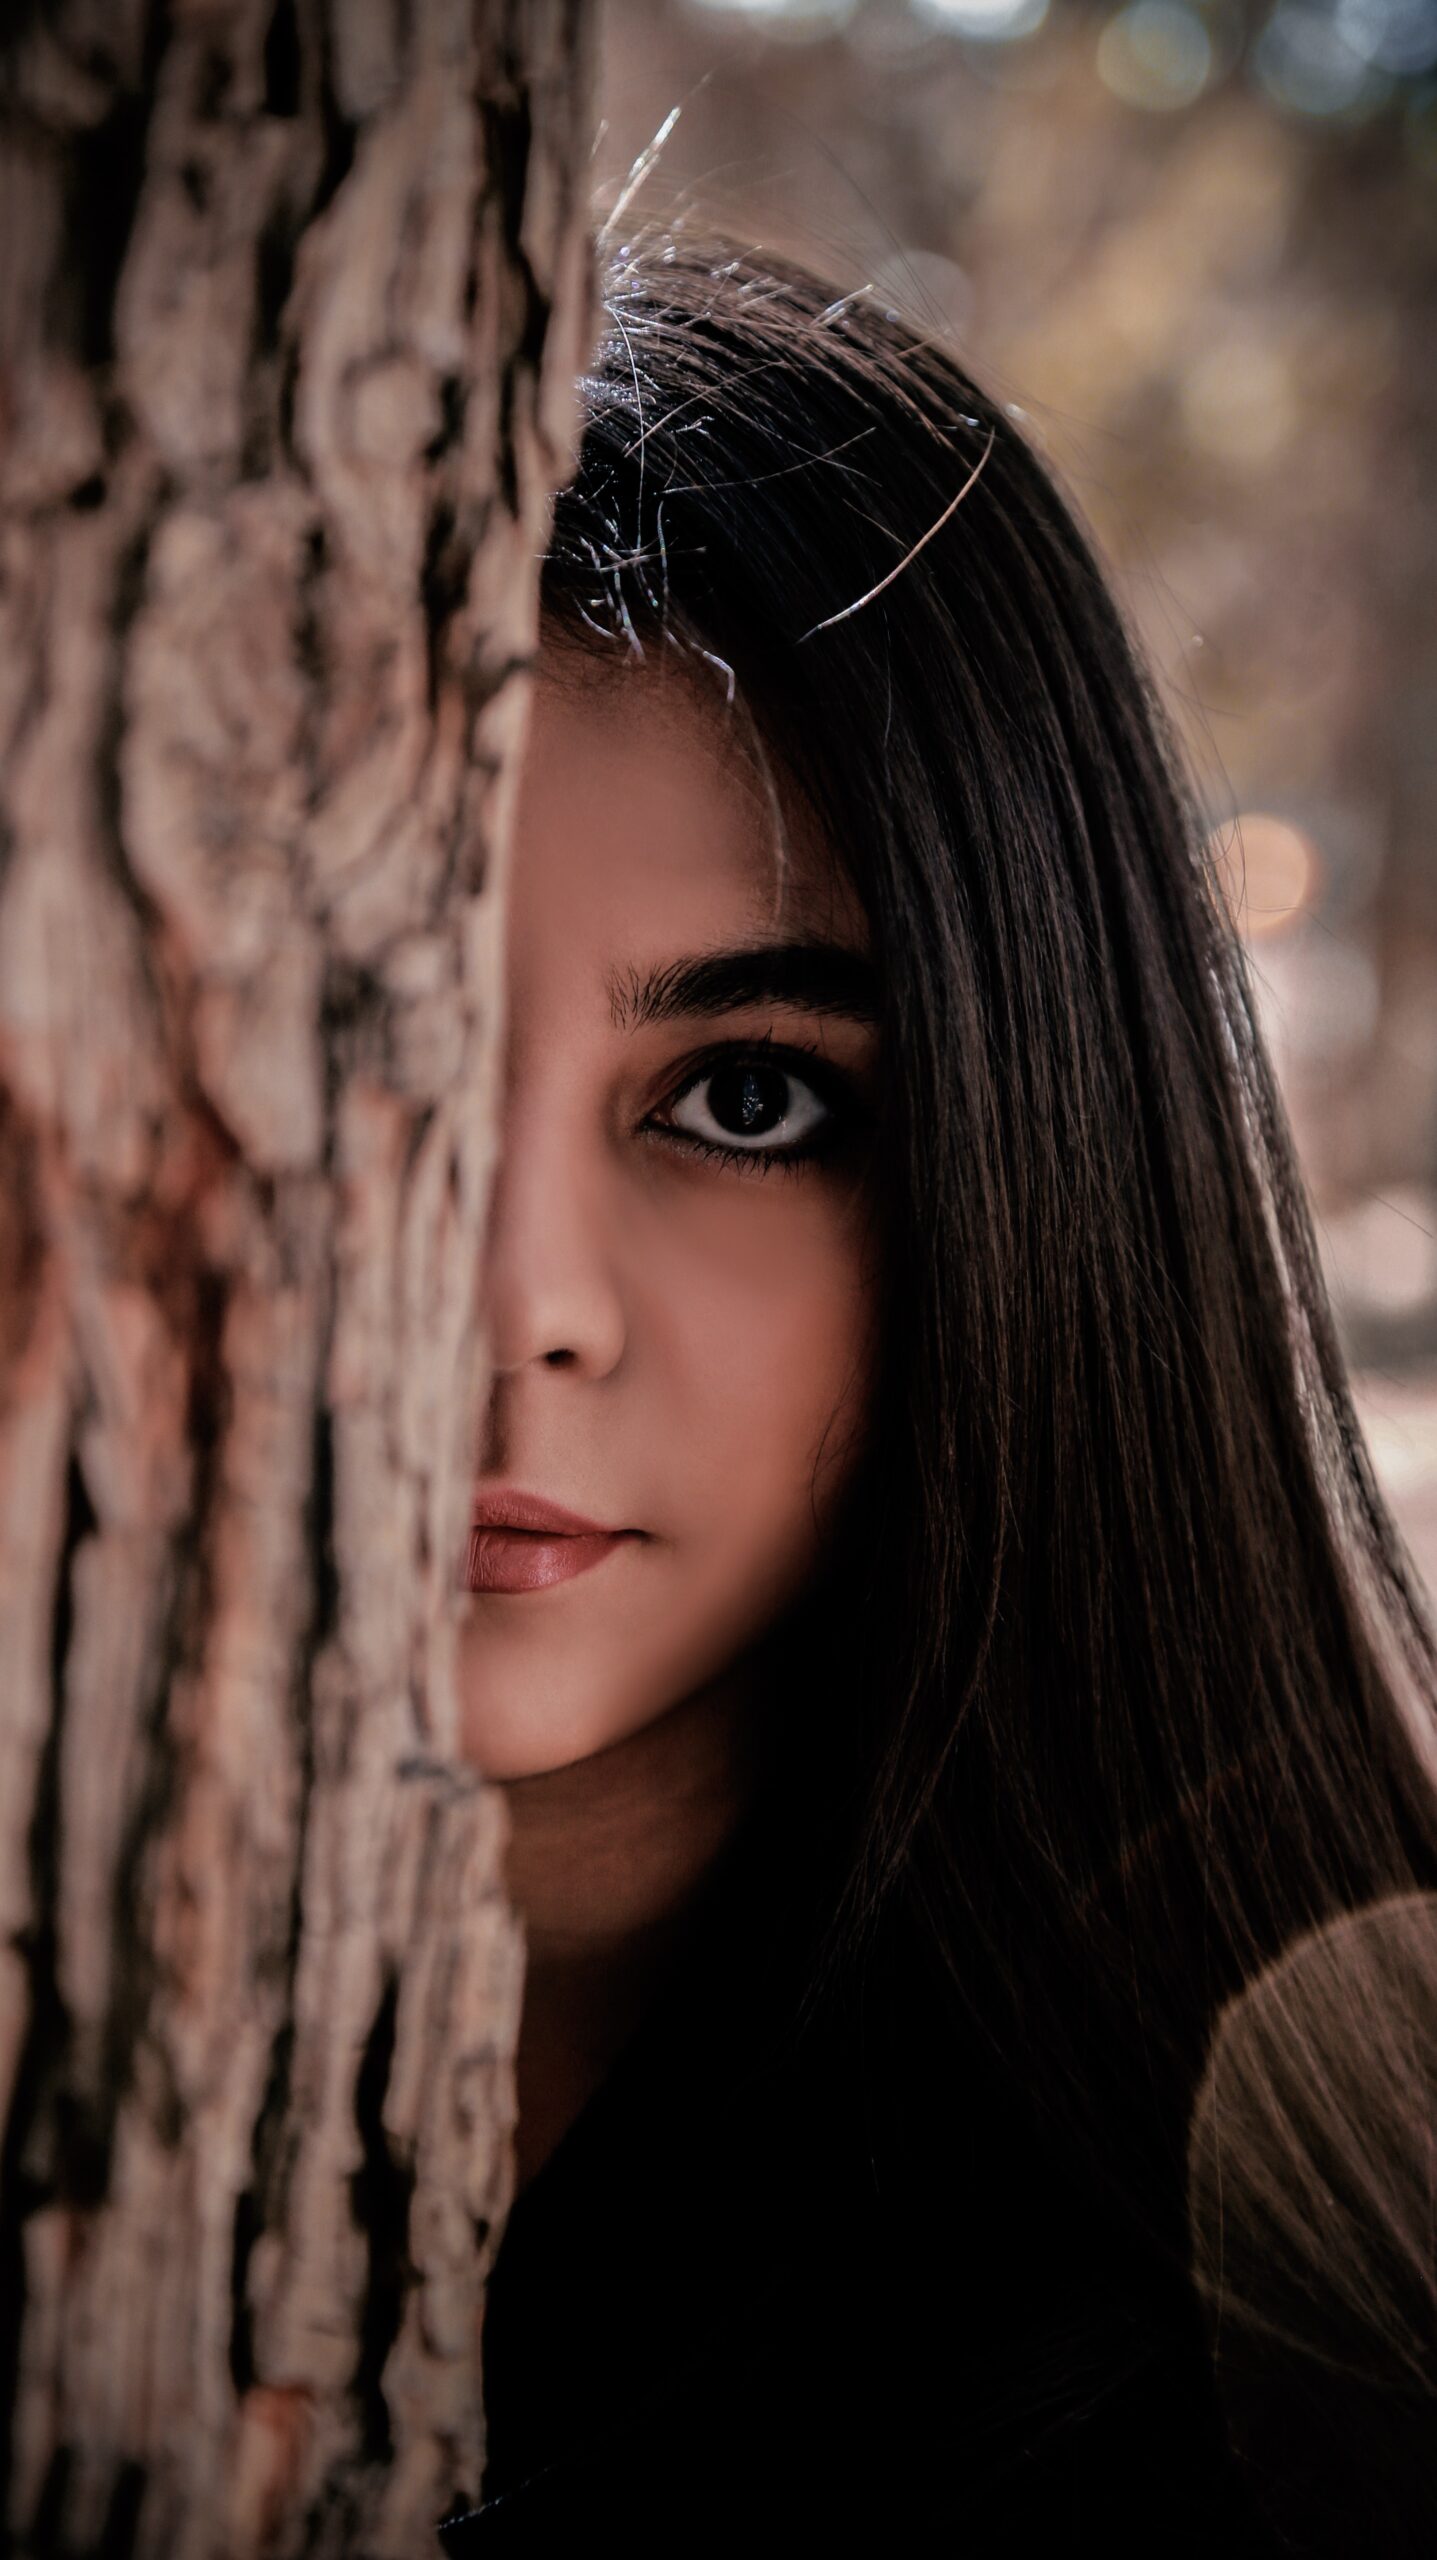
[{"x": 295, "y": 293}]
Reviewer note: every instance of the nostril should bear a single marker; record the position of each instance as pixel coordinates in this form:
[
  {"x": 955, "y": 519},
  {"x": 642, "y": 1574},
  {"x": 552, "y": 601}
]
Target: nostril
[{"x": 559, "y": 1359}]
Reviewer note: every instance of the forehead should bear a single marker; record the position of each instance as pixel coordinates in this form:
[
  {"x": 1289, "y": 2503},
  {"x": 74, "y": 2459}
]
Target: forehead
[{"x": 647, "y": 817}]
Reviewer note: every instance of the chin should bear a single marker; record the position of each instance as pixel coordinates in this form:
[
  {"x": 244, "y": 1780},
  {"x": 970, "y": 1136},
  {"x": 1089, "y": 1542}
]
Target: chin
[{"x": 506, "y": 1741}]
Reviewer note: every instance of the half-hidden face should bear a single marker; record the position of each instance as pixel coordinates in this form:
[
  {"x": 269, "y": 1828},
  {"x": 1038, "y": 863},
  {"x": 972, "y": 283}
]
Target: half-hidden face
[{"x": 681, "y": 1280}]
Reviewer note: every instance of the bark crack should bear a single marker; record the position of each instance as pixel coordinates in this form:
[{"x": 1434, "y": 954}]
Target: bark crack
[
  {"x": 107, "y": 180},
  {"x": 24, "y": 2180},
  {"x": 381, "y": 2191}
]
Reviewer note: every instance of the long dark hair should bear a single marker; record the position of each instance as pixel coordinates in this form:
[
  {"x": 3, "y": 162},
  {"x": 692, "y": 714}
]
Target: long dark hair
[{"x": 1128, "y": 1685}]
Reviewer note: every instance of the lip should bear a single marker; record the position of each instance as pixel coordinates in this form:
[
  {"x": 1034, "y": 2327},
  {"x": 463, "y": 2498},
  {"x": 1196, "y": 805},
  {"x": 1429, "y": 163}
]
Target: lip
[
  {"x": 507, "y": 1508},
  {"x": 519, "y": 1542}
]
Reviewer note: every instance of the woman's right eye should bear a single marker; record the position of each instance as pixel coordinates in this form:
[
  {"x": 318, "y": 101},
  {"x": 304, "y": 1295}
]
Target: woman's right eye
[{"x": 750, "y": 1107}]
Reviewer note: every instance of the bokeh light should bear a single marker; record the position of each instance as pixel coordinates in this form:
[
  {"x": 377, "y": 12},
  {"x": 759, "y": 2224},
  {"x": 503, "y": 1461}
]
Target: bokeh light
[
  {"x": 1270, "y": 871},
  {"x": 1398, "y": 36},
  {"x": 1307, "y": 63},
  {"x": 1382, "y": 1251},
  {"x": 781, "y": 17},
  {"x": 1237, "y": 401},
  {"x": 991, "y": 20},
  {"x": 1156, "y": 54}
]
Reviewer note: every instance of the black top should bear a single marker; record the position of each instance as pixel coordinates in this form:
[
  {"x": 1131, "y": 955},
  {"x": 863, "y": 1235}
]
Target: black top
[{"x": 730, "y": 2305}]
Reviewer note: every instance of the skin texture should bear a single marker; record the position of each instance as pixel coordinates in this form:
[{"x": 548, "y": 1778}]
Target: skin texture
[{"x": 681, "y": 1345}]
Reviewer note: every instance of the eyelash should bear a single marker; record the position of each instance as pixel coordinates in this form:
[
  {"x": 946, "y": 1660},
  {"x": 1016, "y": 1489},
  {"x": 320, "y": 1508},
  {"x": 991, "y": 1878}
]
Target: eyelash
[{"x": 831, "y": 1086}]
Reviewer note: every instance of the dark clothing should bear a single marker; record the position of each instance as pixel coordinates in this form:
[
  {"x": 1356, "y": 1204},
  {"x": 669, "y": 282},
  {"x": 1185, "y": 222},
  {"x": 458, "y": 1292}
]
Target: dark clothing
[{"x": 732, "y": 2305}]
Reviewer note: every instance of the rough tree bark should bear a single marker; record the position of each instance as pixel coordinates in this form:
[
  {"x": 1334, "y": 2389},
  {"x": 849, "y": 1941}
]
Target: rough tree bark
[{"x": 294, "y": 296}]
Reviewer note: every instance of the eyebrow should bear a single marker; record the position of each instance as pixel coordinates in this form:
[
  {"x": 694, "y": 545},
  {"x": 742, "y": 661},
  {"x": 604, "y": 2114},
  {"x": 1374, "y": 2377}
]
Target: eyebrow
[{"x": 822, "y": 977}]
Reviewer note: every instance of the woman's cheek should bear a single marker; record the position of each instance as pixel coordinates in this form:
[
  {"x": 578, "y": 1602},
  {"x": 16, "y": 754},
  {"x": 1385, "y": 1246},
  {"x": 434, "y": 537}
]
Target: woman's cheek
[{"x": 774, "y": 1356}]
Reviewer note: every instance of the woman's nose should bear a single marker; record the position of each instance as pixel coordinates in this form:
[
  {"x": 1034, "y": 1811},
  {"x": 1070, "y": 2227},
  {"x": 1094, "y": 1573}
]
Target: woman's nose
[{"x": 551, "y": 1293}]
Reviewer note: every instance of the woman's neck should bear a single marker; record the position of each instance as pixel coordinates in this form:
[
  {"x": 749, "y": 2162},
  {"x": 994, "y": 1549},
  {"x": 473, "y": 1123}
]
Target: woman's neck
[{"x": 606, "y": 1863}]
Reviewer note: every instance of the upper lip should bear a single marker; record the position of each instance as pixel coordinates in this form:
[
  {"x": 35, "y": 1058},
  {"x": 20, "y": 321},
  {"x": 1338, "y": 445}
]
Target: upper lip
[{"x": 503, "y": 1510}]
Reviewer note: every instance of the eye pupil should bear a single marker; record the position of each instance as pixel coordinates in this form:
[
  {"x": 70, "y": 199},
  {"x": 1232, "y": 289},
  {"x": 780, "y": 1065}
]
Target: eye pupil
[{"x": 748, "y": 1100}]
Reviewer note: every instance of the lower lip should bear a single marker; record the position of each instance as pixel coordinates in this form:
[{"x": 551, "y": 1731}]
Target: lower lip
[{"x": 529, "y": 1560}]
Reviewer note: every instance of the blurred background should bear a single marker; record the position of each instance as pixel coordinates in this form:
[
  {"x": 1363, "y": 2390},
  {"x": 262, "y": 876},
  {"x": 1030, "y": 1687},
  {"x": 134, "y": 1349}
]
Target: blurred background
[{"x": 1194, "y": 243}]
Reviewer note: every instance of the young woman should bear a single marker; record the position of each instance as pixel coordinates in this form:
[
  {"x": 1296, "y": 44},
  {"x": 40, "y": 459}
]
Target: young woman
[{"x": 965, "y": 1714}]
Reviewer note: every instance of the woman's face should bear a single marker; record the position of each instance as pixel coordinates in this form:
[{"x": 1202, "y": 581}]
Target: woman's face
[{"x": 680, "y": 1280}]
